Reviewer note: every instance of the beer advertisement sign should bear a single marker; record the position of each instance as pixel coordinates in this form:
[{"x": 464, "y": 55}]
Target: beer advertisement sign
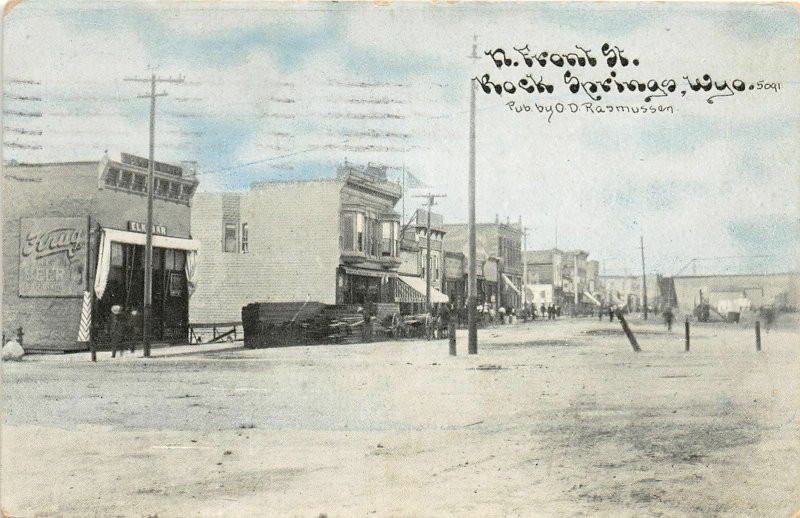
[{"x": 52, "y": 257}]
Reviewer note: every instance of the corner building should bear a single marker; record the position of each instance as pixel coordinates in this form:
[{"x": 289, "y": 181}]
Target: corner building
[
  {"x": 73, "y": 246},
  {"x": 332, "y": 241}
]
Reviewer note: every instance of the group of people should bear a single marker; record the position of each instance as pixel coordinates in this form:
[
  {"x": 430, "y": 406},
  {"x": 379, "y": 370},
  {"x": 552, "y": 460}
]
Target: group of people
[
  {"x": 120, "y": 325},
  {"x": 550, "y": 312},
  {"x": 491, "y": 315}
]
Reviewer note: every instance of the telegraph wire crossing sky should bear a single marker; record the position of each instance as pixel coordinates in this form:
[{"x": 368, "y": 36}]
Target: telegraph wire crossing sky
[{"x": 279, "y": 91}]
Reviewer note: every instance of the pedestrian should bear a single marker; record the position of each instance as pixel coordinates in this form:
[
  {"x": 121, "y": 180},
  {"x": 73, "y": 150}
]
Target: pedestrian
[
  {"x": 543, "y": 311},
  {"x": 600, "y": 312},
  {"x": 502, "y": 314},
  {"x": 610, "y": 313},
  {"x": 669, "y": 316},
  {"x": 134, "y": 325},
  {"x": 769, "y": 317},
  {"x": 116, "y": 330}
]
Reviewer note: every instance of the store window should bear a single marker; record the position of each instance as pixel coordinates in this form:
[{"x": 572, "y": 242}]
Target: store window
[
  {"x": 116, "y": 254},
  {"x": 396, "y": 239},
  {"x": 386, "y": 239},
  {"x": 112, "y": 176},
  {"x": 174, "y": 259},
  {"x": 230, "y": 238},
  {"x": 245, "y": 238},
  {"x": 360, "y": 232},
  {"x": 163, "y": 188},
  {"x": 347, "y": 232},
  {"x": 125, "y": 180},
  {"x": 187, "y": 191},
  {"x": 140, "y": 183}
]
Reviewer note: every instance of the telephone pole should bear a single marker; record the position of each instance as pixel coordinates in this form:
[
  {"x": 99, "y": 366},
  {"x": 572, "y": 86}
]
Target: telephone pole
[
  {"x": 148, "y": 249},
  {"x": 575, "y": 286},
  {"x": 472, "y": 293},
  {"x": 430, "y": 198},
  {"x": 524, "y": 265},
  {"x": 644, "y": 279}
]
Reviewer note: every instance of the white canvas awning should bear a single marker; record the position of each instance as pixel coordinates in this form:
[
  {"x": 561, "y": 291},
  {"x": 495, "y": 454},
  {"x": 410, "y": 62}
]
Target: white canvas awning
[
  {"x": 416, "y": 293},
  {"x": 110, "y": 235},
  {"x": 590, "y": 297},
  {"x": 510, "y": 284}
]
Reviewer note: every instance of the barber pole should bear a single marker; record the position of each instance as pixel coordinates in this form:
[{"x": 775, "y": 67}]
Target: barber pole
[{"x": 84, "y": 332}]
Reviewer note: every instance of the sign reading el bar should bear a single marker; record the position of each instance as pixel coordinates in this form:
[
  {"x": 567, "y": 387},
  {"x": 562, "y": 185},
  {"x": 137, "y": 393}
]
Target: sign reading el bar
[
  {"x": 52, "y": 257},
  {"x": 137, "y": 226}
]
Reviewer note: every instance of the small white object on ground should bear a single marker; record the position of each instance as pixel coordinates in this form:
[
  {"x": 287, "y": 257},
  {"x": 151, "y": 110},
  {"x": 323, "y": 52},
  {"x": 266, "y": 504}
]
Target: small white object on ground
[{"x": 13, "y": 351}]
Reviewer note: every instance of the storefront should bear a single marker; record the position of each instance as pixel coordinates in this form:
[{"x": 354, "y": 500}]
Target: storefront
[
  {"x": 73, "y": 247},
  {"x": 362, "y": 286},
  {"x": 410, "y": 293},
  {"x": 119, "y": 280}
]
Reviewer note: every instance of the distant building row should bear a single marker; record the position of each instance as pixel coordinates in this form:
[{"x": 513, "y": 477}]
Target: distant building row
[{"x": 74, "y": 235}]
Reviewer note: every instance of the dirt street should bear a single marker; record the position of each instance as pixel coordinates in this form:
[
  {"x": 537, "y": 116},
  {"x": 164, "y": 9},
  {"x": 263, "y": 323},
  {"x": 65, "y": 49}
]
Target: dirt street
[{"x": 549, "y": 419}]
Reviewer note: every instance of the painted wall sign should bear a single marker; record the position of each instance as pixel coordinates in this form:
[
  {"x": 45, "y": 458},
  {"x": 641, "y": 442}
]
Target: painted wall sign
[
  {"x": 137, "y": 226},
  {"x": 52, "y": 257}
]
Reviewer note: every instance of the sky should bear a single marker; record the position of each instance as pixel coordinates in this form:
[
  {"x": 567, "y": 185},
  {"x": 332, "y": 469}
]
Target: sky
[{"x": 286, "y": 91}]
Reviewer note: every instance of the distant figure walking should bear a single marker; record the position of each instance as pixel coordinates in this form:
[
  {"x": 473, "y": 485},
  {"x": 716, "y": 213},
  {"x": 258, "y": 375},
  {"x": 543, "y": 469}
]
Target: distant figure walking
[
  {"x": 543, "y": 311},
  {"x": 600, "y": 312},
  {"x": 769, "y": 317},
  {"x": 116, "y": 330},
  {"x": 610, "y": 313},
  {"x": 668, "y": 318}
]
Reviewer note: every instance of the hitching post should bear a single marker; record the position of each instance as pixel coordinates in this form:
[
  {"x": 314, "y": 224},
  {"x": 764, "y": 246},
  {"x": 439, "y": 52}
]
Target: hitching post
[
  {"x": 628, "y": 332},
  {"x": 758, "y": 335},
  {"x": 451, "y": 334},
  {"x": 687, "y": 334}
]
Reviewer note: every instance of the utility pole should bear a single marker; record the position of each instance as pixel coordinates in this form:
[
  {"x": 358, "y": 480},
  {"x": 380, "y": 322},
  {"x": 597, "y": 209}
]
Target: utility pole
[
  {"x": 556, "y": 245},
  {"x": 644, "y": 279},
  {"x": 430, "y": 198},
  {"x": 472, "y": 293},
  {"x": 575, "y": 287},
  {"x": 148, "y": 250},
  {"x": 524, "y": 265}
]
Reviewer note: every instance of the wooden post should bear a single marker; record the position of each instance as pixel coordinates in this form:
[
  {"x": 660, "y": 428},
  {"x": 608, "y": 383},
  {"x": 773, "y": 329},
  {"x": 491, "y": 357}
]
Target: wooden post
[
  {"x": 628, "y": 332},
  {"x": 451, "y": 333},
  {"x": 90, "y": 286},
  {"x": 758, "y": 335},
  {"x": 472, "y": 293},
  {"x": 687, "y": 334}
]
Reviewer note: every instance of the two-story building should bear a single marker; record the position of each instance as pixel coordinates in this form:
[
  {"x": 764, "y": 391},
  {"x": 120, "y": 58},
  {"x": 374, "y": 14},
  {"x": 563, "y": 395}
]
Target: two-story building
[
  {"x": 417, "y": 231},
  {"x": 555, "y": 276},
  {"x": 499, "y": 259},
  {"x": 74, "y": 244},
  {"x": 332, "y": 241}
]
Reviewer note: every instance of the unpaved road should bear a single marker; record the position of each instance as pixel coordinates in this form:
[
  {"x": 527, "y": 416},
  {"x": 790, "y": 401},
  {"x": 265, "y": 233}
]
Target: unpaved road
[{"x": 549, "y": 419}]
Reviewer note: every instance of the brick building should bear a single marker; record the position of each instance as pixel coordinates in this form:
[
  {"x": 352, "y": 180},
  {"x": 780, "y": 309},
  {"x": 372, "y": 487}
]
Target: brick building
[
  {"x": 77, "y": 228},
  {"x": 417, "y": 231},
  {"x": 545, "y": 267},
  {"x": 499, "y": 259},
  {"x": 333, "y": 241},
  {"x": 554, "y": 276}
]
